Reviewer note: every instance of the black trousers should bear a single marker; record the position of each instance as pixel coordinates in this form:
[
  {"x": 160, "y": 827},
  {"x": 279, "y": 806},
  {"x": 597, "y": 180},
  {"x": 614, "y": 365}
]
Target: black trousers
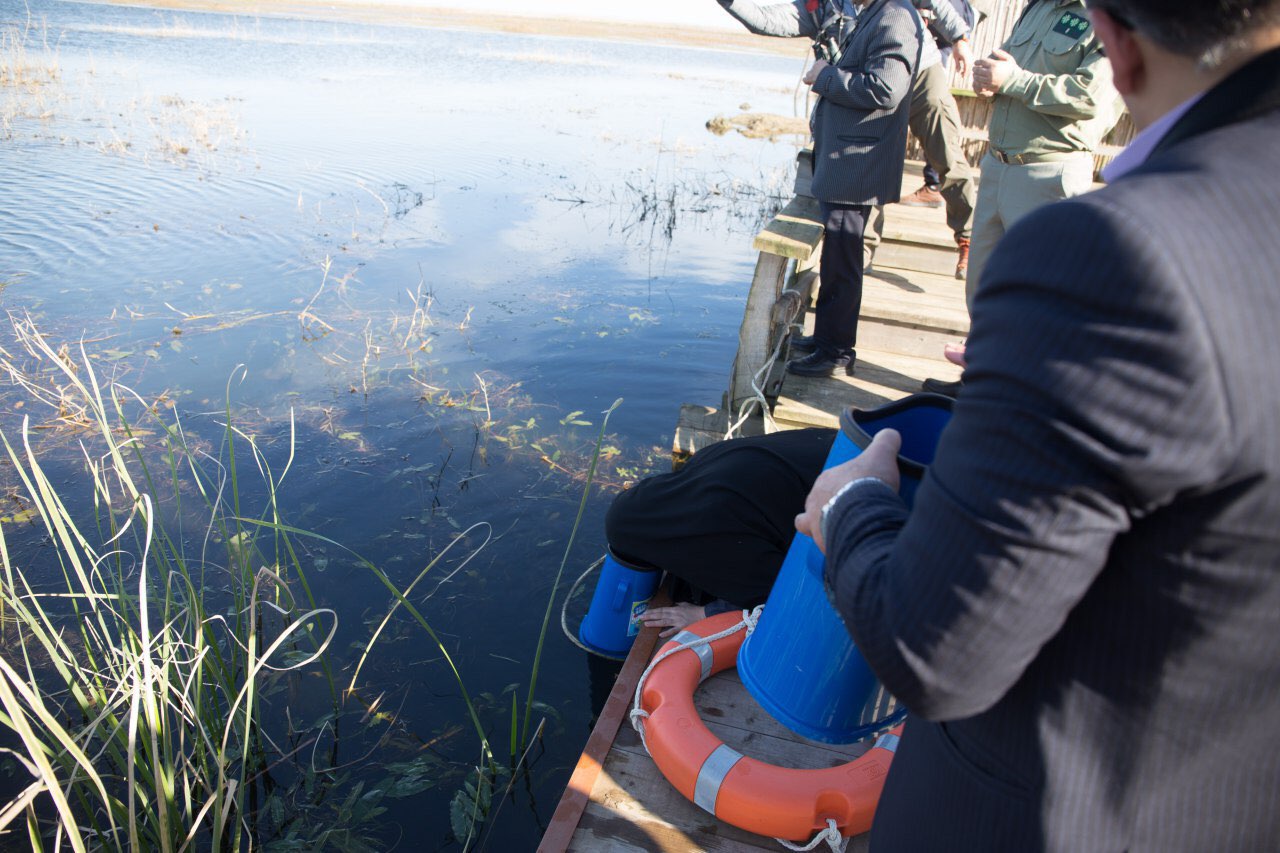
[
  {"x": 722, "y": 524},
  {"x": 835, "y": 325}
]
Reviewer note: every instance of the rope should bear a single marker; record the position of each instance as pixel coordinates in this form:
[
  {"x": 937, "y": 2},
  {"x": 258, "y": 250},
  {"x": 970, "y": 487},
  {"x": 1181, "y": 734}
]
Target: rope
[
  {"x": 831, "y": 835},
  {"x": 564, "y": 613},
  {"x": 748, "y": 405},
  {"x": 639, "y": 714}
]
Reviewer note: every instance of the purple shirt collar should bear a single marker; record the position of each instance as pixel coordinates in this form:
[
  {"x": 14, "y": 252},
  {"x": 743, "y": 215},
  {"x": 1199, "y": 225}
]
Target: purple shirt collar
[{"x": 1140, "y": 148}]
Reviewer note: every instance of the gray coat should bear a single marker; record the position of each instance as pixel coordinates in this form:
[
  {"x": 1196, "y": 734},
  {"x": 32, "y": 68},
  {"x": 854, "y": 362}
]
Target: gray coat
[{"x": 860, "y": 123}]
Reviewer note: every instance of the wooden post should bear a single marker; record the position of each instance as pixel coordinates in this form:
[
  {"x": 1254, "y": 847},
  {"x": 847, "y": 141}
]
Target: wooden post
[{"x": 755, "y": 338}]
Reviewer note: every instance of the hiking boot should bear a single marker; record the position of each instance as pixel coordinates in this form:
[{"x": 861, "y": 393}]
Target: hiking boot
[
  {"x": 926, "y": 196},
  {"x": 823, "y": 362},
  {"x": 962, "y": 262}
]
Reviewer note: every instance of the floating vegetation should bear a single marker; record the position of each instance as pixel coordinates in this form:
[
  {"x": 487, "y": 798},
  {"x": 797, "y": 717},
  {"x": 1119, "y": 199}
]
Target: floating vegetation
[
  {"x": 30, "y": 75},
  {"x": 116, "y": 119},
  {"x": 151, "y": 686}
]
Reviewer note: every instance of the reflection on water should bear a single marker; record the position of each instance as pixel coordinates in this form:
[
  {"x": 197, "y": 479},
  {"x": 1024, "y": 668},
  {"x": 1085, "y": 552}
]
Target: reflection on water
[{"x": 444, "y": 253}]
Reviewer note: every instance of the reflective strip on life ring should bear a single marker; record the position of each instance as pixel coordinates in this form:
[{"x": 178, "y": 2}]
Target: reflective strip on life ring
[{"x": 762, "y": 798}]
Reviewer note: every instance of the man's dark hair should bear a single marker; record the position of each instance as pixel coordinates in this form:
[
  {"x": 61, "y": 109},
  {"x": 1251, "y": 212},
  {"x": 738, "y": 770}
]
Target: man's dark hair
[{"x": 1204, "y": 29}]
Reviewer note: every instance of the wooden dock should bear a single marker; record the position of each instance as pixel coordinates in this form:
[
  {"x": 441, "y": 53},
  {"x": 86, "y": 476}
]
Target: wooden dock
[
  {"x": 912, "y": 304},
  {"x": 617, "y": 800}
]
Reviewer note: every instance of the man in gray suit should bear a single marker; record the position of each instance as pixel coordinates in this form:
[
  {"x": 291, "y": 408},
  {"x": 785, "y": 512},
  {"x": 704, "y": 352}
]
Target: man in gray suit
[
  {"x": 859, "y": 139},
  {"x": 1082, "y": 611},
  {"x": 859, "y": 142}
]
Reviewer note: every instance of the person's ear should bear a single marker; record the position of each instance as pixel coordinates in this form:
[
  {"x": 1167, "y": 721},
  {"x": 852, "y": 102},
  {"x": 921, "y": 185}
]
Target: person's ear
[{"x": 1128, "y": 65}]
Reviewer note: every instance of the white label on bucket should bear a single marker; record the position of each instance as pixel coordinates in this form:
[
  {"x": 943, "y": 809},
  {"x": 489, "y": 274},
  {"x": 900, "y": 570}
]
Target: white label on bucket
[{"x": 637, "y": 610}]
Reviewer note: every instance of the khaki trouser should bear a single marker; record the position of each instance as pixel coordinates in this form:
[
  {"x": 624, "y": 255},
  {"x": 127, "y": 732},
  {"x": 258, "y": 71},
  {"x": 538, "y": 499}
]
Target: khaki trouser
[
  {"x": 935, "y": 121},
  {"x": 1008, "y": 192}
]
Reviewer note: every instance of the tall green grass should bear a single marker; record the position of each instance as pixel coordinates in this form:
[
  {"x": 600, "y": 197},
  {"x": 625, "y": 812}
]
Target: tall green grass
[
  {"x": 146, "y": 646},
  {"x": 138, "y": 655}
]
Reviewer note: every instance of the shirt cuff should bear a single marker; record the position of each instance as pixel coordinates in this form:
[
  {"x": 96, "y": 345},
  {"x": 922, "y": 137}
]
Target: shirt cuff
[
  {"x": 861, "y": 482},
  {"x": 1016, "y": 85}
]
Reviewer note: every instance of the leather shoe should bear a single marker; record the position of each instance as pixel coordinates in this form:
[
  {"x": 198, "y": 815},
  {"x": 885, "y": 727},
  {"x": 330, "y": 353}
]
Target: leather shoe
[
  {"x": 803, "y": 343},
  {"x": 926, "y": 196},
  {"x": 823, "y": 363},
  {"x": 939, "y": 386}
]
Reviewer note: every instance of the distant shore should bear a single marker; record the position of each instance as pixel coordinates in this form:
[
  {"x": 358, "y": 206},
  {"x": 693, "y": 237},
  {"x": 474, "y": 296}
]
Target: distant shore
[{"x": 394, "y": 14}]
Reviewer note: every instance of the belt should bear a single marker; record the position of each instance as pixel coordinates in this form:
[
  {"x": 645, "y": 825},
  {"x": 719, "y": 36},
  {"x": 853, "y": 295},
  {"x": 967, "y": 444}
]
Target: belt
[{"x": 1031, "y": 157}]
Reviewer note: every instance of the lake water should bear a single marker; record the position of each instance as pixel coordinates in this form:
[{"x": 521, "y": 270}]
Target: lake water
[{"x": 443, "y": 254}]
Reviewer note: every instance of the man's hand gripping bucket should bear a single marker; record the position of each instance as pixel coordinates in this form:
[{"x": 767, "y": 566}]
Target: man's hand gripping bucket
[{"x": 800, "y": 664}]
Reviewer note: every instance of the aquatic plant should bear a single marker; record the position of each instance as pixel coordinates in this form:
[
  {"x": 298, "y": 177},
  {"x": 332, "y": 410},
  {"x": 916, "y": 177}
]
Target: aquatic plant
[
  {"x": 30, "y": 74},
  {"x": 141, "y": 654}
]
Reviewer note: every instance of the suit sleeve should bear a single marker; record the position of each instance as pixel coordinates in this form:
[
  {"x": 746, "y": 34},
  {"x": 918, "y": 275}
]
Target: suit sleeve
[
  {"x": 884, "y": 79},
  {"x": 1081, "y": 95},
  {"x": 788, "y": 20},
  {"x": 1090, "y": 400}
]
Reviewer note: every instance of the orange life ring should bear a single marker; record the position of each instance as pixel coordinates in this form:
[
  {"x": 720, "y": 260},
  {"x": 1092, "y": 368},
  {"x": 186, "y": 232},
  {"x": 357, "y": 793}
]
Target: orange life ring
[{"x": 762, "y": 798}]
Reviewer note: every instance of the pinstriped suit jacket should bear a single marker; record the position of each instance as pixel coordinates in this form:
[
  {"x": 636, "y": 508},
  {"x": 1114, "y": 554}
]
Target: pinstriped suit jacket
[
  {"x": 860, "y": 122},
  {"x": 1083, "y": 609}
]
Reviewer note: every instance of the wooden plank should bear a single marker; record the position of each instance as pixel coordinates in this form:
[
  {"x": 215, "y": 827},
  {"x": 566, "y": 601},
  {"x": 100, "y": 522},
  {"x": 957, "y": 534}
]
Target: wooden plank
[
  {"x": 880, "y": 378},
  {"x": 937, "y": 260},
  {"x": 633, "y": 804},
  {"x": 623, "y": 831},
  {"x": 696, "y": 428},
  {"x": 795, "y": 232},
  {"x": 922, "y": 344},
  {"x": 585, "y": 775},
  {"x": 946, "y": 316},
  {"x": 804, "y": 173}
]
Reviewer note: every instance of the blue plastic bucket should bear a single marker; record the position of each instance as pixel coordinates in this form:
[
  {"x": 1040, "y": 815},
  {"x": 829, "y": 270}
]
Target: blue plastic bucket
[
  {"x": 621, "y": 597},
  {"x": 800, "y": 663}
]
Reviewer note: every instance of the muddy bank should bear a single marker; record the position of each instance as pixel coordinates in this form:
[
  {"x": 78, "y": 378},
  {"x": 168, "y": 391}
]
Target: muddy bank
[
  {"x": 759, "y": 125},
  {"x": 398, "y": 15}
]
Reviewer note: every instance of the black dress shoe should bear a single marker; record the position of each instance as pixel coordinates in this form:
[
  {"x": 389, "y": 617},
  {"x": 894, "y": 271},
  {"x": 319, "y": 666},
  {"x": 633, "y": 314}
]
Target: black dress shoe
[
  {"x": 822, "y": 363},
  {"x": 938, "y": 386},
  {"x": 803, "y": 343}
]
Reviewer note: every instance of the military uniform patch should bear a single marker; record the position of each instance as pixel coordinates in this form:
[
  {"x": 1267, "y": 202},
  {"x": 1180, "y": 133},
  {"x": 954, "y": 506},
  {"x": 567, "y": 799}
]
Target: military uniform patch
[{"x": 1071, "y": 24}]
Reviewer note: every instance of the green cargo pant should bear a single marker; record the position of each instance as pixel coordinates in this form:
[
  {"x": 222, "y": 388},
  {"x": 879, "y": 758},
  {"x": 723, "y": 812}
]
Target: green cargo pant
[{"x": 1009, "y": 192}]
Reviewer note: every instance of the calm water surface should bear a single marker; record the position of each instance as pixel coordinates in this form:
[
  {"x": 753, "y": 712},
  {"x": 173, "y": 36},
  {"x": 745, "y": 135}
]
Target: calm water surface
[{"x": 438, "y": 250}]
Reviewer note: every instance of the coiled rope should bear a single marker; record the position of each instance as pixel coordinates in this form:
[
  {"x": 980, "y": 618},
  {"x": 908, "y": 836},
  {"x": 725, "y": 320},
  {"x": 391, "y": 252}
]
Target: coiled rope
[
  {"x": 758, "y": 400},
  {"x": 831, "y": 835},
  {"x": 638, "y": 714}
]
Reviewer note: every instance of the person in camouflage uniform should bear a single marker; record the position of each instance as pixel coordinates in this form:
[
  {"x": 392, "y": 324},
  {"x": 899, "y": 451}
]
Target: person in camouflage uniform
[{"x": 1052, "y": 104}]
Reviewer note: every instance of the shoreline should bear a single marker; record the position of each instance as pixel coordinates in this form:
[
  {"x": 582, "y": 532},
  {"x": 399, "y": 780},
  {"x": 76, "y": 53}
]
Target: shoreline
[{"x": 391, "y": 14}]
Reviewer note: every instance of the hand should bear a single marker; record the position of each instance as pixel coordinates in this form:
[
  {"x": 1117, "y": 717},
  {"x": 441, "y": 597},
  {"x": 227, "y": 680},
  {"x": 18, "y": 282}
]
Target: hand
[
  {"x": 990, "y": 74},
  {"x": 811, "y": 75},
  {"x": 954, "y": 353},
  {"x": 879, "y": 460},
  {"x": 674, "y": 618},
  {"x": 963, "y": 56}
]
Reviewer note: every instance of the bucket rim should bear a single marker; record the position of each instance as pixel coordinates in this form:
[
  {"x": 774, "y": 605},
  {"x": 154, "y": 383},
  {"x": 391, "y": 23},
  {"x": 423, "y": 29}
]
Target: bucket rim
[{"x": 851, "y": 426}]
